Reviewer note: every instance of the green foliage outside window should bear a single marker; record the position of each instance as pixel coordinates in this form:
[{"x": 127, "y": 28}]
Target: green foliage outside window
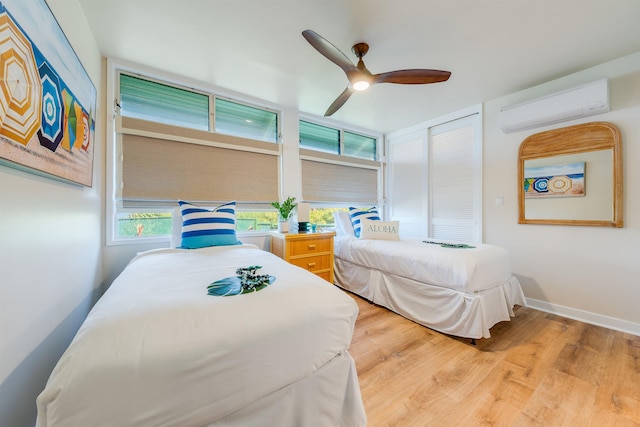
[
  {"x": 256, "y": 221},
  {"x": 323, "y": 217},
  {"x": 144, "y": 224},
  {"x": 159, "y": 224},
  {"x": 265, "y": 221}
]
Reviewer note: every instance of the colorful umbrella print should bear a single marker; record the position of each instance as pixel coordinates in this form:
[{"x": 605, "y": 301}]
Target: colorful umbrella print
[
  {"x": 80, "y": 132},
  {"x": 51, "y": 131},
  {"x": 541, "y": 185},
  {"x": 70, "y": 120},
  {"x": 86, "y": 123},
  {"x": 20, "y": 87}
]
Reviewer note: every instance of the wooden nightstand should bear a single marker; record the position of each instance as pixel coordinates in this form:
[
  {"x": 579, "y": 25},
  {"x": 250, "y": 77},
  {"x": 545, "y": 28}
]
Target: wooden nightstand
[{"x": 311, "y": 251}]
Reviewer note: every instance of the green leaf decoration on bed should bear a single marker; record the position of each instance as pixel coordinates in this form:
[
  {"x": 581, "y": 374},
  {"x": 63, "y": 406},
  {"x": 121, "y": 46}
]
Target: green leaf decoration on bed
[
  {"x": 449, "y": 245},
  {"x": 245, "y": 282}
]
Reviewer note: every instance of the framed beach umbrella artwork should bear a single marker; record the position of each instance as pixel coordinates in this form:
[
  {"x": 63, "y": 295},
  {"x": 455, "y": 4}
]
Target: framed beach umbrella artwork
[
  {"x": 563, "y": 180},
  {"x": 47, "y": 100}
]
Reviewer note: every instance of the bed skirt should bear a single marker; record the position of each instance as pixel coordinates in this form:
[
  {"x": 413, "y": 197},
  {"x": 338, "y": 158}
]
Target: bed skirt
[
  {"x": 312, "y": 401},
  {"x": 453, "y": 312}
]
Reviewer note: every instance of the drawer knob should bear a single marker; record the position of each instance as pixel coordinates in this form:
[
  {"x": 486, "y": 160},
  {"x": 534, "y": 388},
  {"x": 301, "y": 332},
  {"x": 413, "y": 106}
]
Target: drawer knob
[
  {"x": 311, "y": 264},
  {"x": 312, "y": 246}
]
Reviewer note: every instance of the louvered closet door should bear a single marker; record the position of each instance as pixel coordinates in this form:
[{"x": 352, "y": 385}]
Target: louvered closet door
[{"x": 455, "y": 180}]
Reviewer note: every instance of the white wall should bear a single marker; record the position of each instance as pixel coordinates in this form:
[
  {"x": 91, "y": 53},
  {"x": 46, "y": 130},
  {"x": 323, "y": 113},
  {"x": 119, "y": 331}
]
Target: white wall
[
  {"x": 590, "y": 273},
  {"x": 50, "y": 255}
]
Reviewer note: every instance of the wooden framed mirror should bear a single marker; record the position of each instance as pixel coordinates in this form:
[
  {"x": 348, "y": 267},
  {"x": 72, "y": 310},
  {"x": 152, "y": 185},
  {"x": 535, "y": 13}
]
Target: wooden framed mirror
[{"x": 571, "y": 176}]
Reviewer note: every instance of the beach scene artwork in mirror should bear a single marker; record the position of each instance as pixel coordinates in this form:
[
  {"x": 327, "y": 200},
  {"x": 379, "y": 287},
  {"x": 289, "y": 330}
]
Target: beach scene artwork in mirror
[{"x": 566, "y": 180}]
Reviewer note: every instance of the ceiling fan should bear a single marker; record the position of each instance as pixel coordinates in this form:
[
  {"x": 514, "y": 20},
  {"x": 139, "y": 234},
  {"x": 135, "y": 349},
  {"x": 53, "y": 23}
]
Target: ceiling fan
[{"x": 359, "y": 77}]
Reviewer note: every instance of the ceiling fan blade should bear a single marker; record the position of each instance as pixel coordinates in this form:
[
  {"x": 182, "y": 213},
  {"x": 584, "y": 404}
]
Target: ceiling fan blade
[
  {"x": 331, "y": 52},
  {"x": 339, "y": 102},
  {"x": 412, "y": 77}
]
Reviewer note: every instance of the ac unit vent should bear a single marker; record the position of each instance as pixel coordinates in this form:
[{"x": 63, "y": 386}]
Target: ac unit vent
[{"x": 581, "y": 101}]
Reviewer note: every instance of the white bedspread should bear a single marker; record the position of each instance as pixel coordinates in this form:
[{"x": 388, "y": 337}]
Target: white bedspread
[
  {"x": 467, "y": 270},
  {"x": 156, "y": 350}
]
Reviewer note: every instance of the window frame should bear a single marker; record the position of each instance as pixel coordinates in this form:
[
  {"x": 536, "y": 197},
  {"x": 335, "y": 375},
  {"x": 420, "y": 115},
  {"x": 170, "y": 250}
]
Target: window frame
[
  {"x": 342, "y": 129},
  {"x": 114, "y": 144},
  {"x": 340, "y": 159},
  {"x": 118, "y": 98}
]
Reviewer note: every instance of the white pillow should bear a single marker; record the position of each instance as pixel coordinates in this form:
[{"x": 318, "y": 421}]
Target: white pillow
[
  {"x": 176, "y": 228},
  {"x": 344, "y": 227},
  {"x": 379, "y": 230}
]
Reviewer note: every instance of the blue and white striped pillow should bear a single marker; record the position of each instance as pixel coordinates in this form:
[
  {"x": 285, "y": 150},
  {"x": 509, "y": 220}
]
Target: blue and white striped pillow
[
  {"x": 357, "y": 214},
  {"x": 203, "y": 227}
]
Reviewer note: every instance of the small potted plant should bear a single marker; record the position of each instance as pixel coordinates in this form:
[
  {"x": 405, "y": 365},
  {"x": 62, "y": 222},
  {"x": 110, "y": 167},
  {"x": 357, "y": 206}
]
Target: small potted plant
[{"x": 285, "y": 209}]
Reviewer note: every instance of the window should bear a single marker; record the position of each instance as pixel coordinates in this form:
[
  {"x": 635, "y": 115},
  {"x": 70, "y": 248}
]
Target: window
[
  {"x": 339, "y": 168},
  {"x": 318, "y": 137},
  {"x": 150, "y": 100},
  {"x": 323, "y": 217},
  {"x": 242, "y": 120},
  {"x": 326, "y": 180},
  {"x": 256, "y": 221},
  {"x": 167, "y": 146},
  {"x": 148, "y": 224},
  {"x": 159, "y": 102},
  {"x": 337, "y": 141},
  {"x": 360, "y": 146}
]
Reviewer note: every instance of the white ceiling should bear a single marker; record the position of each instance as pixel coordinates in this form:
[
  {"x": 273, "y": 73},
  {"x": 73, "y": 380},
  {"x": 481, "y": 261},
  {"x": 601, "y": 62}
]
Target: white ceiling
[{"x": 255, "y": 47}]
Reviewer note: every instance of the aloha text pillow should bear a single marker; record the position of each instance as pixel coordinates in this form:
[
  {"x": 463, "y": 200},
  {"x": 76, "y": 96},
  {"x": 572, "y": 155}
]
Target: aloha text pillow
[{"x": 380, "y": 230}]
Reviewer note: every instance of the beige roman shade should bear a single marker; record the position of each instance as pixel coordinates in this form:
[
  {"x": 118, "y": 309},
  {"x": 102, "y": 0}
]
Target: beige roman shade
[
  {"x": 163, "y": 168},
  {"x": 328, "y": 178}
]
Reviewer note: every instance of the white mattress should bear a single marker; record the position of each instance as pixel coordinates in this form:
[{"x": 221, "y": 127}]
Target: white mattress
[
  {"x": 156, "y": 350},
  {"x": 467, "y": 270}
]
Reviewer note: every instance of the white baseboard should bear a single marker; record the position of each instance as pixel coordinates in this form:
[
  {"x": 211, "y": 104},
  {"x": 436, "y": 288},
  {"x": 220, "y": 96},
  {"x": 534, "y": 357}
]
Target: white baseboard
[{"x": 585, "y": 316}]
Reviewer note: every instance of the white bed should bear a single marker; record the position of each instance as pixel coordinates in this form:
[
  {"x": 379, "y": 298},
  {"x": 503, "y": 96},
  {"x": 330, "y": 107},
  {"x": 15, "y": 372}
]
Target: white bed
[
  {"x": 457, "y": 291},
  {"x": 157, "y": 350}
]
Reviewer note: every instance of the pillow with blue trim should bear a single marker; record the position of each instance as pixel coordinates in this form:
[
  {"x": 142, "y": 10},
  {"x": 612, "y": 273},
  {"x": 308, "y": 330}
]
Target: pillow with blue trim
[
  {"x": 203, "y": 227},
  {"x": 358, "y": 214}
]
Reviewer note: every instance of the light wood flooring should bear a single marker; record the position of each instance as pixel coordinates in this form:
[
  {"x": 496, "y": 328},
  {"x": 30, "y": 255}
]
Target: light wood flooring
[{"x": 537, "y": 370}]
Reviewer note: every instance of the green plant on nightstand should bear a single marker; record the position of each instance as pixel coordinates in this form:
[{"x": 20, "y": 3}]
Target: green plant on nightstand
[{"x": 285, "y": 209}]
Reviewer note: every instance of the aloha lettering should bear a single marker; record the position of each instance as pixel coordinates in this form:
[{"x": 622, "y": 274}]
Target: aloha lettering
[{"x": 382, "y": 229}]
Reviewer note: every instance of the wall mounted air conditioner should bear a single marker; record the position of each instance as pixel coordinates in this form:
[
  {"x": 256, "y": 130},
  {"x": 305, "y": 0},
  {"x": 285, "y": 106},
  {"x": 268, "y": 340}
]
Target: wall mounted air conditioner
[{"x": 581, "y": 101}]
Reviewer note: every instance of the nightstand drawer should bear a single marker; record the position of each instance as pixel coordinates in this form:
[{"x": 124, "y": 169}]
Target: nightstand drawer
[
  {"x": 326, "y": 275},
  {"x": 310, "y": 246},
  {"x": 311, "y": 251},
  {"x": 313, "y": 263}
]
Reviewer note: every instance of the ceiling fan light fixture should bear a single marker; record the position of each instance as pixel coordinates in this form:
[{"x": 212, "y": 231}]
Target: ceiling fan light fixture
[
  {"x": 361, "y": 85},
  {"x": 359, "y": 77}
]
